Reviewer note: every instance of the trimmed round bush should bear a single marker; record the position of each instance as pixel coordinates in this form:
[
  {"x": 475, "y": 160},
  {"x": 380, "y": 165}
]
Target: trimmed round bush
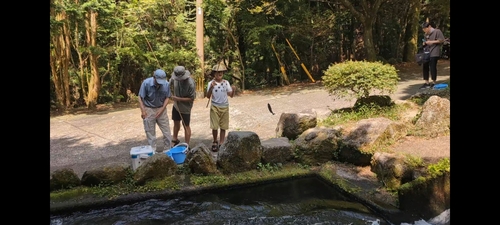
[{"x": 360, "y": 79}]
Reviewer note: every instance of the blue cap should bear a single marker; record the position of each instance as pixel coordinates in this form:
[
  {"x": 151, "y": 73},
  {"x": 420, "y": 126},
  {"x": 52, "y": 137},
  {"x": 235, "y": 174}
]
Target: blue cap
[{"x": 161, "y": 76}]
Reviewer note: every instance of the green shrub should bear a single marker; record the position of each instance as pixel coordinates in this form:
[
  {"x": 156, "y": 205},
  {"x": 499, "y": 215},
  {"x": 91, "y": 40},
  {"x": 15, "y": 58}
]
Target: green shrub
[{"x": 359, "y": 79}]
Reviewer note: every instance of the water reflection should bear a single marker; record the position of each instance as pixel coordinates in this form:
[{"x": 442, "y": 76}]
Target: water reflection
[{"x": 300, "y": 201}]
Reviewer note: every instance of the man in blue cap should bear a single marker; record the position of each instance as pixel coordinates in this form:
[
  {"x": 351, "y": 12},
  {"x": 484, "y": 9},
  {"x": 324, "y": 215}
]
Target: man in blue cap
[{"x": 153, "y": 99}]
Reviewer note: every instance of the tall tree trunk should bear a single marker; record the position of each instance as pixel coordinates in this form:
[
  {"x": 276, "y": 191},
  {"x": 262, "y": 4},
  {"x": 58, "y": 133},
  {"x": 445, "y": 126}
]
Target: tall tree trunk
[
  {"x": 411, "y": 39},
  {"x": 60, "y": 59},
  {"x": 371, "y": 53},
  {"x": 94, "y": 84},
  {"x": 82, "y": 61},
  {"x": 366, "y": 13}
]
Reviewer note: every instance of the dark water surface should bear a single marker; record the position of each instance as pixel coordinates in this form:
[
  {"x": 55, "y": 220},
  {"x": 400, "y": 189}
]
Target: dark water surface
[{"x": 299, "y": 201}]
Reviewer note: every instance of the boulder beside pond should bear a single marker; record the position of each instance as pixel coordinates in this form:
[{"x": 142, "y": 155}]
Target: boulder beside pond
[{"x": 242, "y": 151}]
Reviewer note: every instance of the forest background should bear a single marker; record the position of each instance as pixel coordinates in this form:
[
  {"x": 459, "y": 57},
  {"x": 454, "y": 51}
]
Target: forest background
[{"x": 102, "y": 50}]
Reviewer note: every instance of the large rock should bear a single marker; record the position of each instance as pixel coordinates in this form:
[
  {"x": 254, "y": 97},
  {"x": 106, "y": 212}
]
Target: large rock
[
  {"x": 65, "y": 178},
  {"x": 317, "y": 145},
  {"x": 200, "y": 161},
  {"x": 106, "y": 175},
  {"x": 426, "y": 197},
  {"x": 365, "y": 134},
  {"x": 277, "y": 150},
  {"x": 391, "y": 169},
  {"x": 435, "y": 117},
  {"x": 291, "y": 125},
  {"x": 242, "y": 151},
  {"x": 155, "y": 167}
]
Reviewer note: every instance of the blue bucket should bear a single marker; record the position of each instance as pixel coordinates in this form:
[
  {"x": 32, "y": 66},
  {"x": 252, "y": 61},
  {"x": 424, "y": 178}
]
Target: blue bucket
[{"x": 178, "y": 153}]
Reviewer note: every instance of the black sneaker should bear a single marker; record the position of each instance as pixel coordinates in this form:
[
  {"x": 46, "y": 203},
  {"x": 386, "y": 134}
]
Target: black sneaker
[
  {"x": 425, "y": 86},
  {"x": 432, "y": 85}
]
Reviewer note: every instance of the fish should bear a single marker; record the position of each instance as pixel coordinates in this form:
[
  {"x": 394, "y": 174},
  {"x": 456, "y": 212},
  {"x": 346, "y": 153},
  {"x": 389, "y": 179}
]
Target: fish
[{"x": 269, "y": 107}]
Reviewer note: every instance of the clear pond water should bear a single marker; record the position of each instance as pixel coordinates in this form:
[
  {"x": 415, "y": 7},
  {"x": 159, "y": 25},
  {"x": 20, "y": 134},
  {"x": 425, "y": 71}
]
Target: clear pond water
[{"x": 300, "y": 201}]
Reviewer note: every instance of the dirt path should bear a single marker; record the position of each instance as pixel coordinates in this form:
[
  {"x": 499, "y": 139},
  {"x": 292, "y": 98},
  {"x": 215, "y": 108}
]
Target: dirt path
[{"x": 90, "y": 140}]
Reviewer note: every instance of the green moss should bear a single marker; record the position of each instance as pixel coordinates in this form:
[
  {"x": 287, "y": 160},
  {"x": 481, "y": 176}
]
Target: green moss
[
  {"x": 270, "y": 167},
  {"x": 433, "y": 170},
  {"x": 167, "y": 183},
  {"x": 328, "y": 172},
  {"x": 109, "y": 192},
  {"x": 439, "y": 168},
  {"x": 349, "y": 115},
  {"x": 258, "y": 175},
  {"x": 180, "y": 181},
  {"x": 414, "y": 161},
  {"x": 62, "y": 195},
  {"x": 408, "y": 186},
  {"x": 208, "y": 180}
]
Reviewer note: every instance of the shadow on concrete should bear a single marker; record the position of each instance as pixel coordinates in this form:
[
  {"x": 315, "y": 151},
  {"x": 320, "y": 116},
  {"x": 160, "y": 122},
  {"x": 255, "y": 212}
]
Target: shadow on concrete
[
  {"x": 412, "y": 71},
  {"x": 102, "y": 110},
  {"x": 413, "y": 89},
  {"x": 71, "y": 153}
]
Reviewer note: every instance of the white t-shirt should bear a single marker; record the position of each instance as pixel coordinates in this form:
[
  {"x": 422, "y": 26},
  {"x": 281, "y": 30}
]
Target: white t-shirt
[{"x": 219, "y": 93}]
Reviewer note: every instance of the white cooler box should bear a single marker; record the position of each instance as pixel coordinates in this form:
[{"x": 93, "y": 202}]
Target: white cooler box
[{"x": 139, "y": 154}]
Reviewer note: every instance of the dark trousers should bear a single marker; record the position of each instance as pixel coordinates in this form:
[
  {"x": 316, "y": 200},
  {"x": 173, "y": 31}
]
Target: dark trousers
[{"x": 432, "y": 67}]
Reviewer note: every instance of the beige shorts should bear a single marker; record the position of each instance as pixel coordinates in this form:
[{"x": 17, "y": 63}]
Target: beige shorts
[{"x": 219, "y": 118}]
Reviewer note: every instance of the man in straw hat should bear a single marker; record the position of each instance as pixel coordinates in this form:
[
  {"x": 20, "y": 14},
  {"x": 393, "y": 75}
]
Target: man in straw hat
[
  {"x": 153, "y": 100},
  {"x": 184, "y": 93},
  {"x": 219, "y": 89}
]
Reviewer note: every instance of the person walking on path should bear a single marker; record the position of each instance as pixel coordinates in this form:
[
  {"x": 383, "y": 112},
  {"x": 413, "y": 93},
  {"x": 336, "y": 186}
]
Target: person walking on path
[
  {"x": 184, "y": 93},
  {"x": 432, "y": 42},
  {"x": 218, "y": 89},
  {"x": 153, "y": 100}
]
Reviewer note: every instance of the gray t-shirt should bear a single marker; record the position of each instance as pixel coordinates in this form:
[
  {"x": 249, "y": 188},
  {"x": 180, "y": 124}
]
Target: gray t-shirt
[
  {"x": 435, "y": 49},
  {"x": 184, "y": 89}
]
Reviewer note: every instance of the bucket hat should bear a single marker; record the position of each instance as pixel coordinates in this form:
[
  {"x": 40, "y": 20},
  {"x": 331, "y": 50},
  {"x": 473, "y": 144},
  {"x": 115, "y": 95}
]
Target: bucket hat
[{"x": 180, "y": 73}]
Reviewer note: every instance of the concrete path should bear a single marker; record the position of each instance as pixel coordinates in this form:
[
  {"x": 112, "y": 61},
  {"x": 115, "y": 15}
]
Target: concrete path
[{"x": 87, "y": 141}]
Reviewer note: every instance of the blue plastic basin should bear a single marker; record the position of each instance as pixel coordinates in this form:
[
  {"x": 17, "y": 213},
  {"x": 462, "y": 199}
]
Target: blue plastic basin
[{"x": 177, "y": 154}]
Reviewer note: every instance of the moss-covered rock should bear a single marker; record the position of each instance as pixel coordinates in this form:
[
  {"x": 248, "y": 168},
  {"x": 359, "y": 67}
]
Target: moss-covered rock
[
  {"x": 63, "y": 179},
  {"x": 155, "y": 167}
]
